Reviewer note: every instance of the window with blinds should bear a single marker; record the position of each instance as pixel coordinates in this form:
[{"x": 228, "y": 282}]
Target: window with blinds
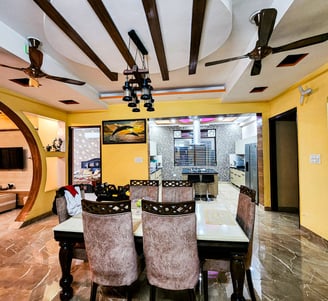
[{"x": 186, "y": 153}]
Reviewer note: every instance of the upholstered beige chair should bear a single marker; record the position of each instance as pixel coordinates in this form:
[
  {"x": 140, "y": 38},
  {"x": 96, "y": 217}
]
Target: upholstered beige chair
[
  {"x": 176, "y": 191},
  {"x": 144, "y": 189},
  {"x": 246, "y": 219},
  {"x": 109, "y": 242},
  {"x": 62, "y": 212},
  {"x": 170, "y": 246}
]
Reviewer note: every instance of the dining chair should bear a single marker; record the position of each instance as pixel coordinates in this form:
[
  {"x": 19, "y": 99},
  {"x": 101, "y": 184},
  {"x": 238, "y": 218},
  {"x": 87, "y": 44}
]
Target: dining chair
[
  {"x": 176, "y": 191},
  {"x": 60, "y": 204},
  {"x": 170, "y": 246},
  {"x": 109, "y": 242},
  {"x": 144, "y": 189},
  {"x": 245, "y": 217}
]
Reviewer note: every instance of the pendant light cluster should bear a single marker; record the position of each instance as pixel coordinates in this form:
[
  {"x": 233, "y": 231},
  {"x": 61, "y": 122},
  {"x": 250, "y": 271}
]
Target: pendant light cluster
[{"x": 138, "y": 81}]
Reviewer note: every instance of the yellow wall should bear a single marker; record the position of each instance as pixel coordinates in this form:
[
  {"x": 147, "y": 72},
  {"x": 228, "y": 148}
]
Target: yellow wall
[
  {"x": 123, "y": 162},
  {"x": 19, "y": 105},
  {"x": 312, "y": 139}
]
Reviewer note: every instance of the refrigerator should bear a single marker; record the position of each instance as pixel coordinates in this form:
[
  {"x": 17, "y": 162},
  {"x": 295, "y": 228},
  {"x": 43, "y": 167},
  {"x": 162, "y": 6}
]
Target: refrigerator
[{"x": 251, "y": 168}]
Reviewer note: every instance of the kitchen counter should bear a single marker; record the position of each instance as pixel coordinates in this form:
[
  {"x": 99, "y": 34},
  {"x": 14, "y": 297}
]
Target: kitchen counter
[
  {"x": 238, "y": 168},
  {"x": 237, "y": 176},
  {"x": 156, "y": 174},
  {"x": 201, "y": 188},
  {"x": 152, "y": 170},
  {"x": 197, "y": 171}
]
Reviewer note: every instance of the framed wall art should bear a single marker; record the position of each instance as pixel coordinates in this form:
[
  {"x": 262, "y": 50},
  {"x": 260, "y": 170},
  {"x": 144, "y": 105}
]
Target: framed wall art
[{"x": 124, "y": 131}]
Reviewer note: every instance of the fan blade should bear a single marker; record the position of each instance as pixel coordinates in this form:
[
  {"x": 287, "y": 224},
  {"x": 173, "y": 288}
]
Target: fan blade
[
  {"x": 257, "y": 66},
  {"x": 65, "y": 80},
  {"x": 267, "y": 21},
  {"x": 226, "y": 60},
  {"x": 302, "y": 43},
  {"x": 11, "y": 67},
  {"x": 36, "y": 57}
]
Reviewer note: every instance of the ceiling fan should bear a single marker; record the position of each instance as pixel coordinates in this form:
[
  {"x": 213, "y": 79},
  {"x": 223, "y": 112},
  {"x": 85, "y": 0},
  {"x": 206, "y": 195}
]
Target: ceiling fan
[
  {"x": 34, "y": 70},
  {"x": 265, "y": 20}
]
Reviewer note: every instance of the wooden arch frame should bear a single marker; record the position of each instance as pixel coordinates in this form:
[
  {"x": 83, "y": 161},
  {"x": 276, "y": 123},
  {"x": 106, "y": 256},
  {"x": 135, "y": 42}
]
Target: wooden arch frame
[{"x": 36, "y": 159}]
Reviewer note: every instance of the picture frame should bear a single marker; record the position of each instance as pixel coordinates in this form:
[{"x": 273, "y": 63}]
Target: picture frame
[{"x": 124, "y": 131}]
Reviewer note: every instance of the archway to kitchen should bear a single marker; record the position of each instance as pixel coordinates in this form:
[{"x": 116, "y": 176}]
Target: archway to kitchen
[{"x": 231, "y": 133}]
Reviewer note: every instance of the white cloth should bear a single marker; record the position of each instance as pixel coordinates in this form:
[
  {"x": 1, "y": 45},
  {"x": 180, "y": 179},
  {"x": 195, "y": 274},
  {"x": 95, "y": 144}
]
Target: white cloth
[{"x": 74, "y": 205}]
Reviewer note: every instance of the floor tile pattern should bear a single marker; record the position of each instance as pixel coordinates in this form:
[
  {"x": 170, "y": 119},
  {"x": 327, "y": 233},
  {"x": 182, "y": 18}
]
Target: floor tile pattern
[{"x": 288, "y": 263}]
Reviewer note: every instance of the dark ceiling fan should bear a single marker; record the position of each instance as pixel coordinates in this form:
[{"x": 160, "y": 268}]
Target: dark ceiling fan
[
  {"x": 265, "y": 20},
  {"x": 34, "y": 70}
]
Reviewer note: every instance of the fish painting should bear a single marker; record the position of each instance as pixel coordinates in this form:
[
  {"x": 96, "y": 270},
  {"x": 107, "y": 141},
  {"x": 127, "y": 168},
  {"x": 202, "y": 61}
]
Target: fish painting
[{"x": 124, "y": 131}]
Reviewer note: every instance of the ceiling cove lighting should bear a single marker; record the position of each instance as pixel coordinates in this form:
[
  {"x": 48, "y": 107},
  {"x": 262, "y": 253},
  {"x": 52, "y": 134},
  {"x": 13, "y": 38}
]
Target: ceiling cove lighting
[
  {"x": 137, "y": 80},
  {"x": 174, "y": 91}
]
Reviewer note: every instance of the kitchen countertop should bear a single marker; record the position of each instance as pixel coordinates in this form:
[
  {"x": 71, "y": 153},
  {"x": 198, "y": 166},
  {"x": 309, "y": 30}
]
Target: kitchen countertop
[
  {"x": 238, "y": 168},
  {"x": 195, "y": 170},
  {"x": 152, "y": 170}
]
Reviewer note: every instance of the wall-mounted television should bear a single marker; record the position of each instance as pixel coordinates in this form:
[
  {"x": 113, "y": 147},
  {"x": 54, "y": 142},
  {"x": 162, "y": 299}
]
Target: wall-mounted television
[{"x": 11, "y": 158}]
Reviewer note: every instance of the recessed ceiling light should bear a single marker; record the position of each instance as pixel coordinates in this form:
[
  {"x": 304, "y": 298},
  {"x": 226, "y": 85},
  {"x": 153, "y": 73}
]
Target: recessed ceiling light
[
  {"x": 21, "y": 81},
  {"x": 257, "y": 89},
  {"x": 69, "y": 102},
  {"x": 292, "y": 60}
]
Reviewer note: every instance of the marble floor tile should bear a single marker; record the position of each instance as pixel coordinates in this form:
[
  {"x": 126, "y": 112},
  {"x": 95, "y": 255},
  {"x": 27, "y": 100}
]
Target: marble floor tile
[{"x": 288, "y": 263}]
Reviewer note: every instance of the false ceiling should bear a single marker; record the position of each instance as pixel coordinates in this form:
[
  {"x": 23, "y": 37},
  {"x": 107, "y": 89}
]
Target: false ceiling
[{"x": 180, "y": 37}]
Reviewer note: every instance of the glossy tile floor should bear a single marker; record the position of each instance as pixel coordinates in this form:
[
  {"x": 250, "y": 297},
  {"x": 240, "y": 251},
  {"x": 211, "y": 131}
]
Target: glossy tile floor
[{"x": 288, "y": 263}]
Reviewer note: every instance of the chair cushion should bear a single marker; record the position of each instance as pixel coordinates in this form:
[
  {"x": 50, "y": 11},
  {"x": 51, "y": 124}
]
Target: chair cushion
[
  {"x": 110, "y": 248},
  {"x": 174, "y": 261}
]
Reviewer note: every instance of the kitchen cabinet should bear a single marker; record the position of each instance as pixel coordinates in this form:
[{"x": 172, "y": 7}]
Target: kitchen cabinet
[
  {"x": 152, "y": 148},
  {"x": 237, "y": 177},
  {"x": 156, "y": 175},
  {"x": 240, "y": 144},
  {"x": 240, "y": 147}
]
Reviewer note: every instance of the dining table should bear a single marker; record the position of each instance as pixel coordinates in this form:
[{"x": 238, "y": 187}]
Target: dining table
[{"x": 219, "y": 236}]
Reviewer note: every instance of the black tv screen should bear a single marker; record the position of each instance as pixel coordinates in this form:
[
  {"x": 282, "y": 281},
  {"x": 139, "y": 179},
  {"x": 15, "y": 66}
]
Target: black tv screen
[{"x": 11, "y": 158}]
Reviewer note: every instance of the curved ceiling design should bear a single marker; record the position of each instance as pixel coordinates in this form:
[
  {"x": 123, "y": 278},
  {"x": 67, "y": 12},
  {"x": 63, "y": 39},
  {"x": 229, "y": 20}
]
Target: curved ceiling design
[
  {"x": 173, "y": 31},
  {"x": 175, "y": 26}
]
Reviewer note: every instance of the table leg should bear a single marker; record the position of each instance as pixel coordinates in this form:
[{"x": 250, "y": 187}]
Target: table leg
[
  {"x": 65, "y": 259},
  {"x": 205, "y": 285},
  {"x": 237, "y": 269}
]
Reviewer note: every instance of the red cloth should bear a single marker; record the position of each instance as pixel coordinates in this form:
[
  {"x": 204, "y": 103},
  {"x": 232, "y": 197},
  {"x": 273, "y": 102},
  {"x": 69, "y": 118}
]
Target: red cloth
[{"x": 71, "y": 189}]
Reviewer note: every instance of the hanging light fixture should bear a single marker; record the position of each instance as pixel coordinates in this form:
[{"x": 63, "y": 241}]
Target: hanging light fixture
[
  {"x": 145, "y": 90},
  {"x": 137, "y": 79},
  {"x": 127, "y": 90}
]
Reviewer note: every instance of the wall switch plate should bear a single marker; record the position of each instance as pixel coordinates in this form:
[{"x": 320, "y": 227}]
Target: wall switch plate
[
  {"x": 138, "y": 160},
  {"x": 315, "y": 158}
]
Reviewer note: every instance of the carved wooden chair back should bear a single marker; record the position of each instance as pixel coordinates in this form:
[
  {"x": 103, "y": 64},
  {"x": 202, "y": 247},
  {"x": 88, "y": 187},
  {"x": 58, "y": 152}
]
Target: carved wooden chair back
[
  {"x": 245, "y": 217},
  {"x": 144, "y": 189},
  {"x": 109, "y": 242},
  {"x": 176, "y": 191},
  {"x": 170, "y": 246}
]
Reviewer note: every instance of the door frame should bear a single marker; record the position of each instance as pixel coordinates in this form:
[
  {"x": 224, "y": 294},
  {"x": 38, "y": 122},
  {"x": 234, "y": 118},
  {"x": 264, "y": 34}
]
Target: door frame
[
  {"x": 70, "y": 149},
  {"x": 290, "y": 115}
]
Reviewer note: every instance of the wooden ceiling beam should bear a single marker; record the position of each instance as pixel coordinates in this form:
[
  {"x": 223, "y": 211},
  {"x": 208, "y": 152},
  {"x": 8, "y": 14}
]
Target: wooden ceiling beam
[
  {"x": 198, "y": 13},
  {"x": 155, "y": 30},
  {"x": 108, "y": 23},
  {"x": 56, "y": 17}
]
